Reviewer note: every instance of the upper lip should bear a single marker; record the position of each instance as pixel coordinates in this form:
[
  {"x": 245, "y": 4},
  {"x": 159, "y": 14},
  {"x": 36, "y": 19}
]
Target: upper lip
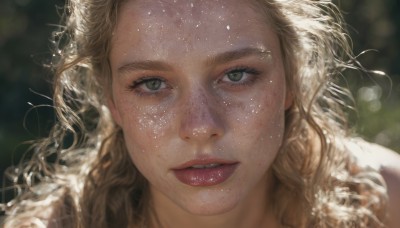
[{"x": 204, "y": 161}]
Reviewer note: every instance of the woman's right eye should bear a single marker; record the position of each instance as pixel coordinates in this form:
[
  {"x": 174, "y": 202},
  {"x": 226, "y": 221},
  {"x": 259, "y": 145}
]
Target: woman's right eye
[{"x": 149, "y": 86}]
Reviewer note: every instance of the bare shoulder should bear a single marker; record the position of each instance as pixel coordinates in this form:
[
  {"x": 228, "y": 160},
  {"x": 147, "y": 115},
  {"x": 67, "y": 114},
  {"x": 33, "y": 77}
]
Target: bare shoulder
[
  {"x": 390, "y": 170},
  {"x": 388, "y": 163}
]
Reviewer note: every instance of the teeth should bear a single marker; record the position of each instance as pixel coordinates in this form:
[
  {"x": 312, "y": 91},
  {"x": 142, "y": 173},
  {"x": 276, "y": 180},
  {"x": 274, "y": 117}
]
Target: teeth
[{"x": 205, "y": 166}]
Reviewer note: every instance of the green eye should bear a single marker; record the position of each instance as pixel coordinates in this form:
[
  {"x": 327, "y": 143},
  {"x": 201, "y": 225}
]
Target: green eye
[
  {"x": 235, "y": 76},
  {"x": 153, "y": 84}
]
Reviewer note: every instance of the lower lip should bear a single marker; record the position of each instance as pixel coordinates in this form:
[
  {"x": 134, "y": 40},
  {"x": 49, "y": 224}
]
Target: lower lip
[{"x": 205, "y": 176}]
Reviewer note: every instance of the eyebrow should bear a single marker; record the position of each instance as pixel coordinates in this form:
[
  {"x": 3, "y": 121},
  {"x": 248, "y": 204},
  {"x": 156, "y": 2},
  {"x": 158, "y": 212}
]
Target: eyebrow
[
  {"x": 144, "y": 65},
  {"x": 238, "y": 54},
  {"x": 221, "y": 58}
]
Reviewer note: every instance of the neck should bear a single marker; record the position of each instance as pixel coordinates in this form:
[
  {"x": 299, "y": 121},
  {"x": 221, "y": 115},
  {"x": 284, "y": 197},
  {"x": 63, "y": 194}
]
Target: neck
[{"x": 255, "y": 210}]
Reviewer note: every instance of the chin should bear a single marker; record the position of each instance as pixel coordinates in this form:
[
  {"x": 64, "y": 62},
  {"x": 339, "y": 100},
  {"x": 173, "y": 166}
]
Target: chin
[{"x": 212, "y": 205}]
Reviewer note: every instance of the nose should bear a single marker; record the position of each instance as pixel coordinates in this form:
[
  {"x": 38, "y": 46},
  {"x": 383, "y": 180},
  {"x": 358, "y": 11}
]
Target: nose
[{"x": 200, "y": 119}]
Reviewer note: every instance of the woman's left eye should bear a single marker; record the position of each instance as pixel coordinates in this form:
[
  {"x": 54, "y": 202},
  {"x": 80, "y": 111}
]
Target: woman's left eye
[{"x": 240, "y": 76}]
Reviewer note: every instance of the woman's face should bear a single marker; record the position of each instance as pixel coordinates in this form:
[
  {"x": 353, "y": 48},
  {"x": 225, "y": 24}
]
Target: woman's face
[{"x": 198, "y": 88}]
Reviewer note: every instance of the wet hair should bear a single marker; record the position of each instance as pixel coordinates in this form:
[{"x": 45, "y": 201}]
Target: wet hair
[{"x": 92, "y": 181}]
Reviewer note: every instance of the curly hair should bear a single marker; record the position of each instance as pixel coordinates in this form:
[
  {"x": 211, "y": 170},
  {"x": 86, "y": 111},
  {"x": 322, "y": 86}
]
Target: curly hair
[{"x": 92, "y": 182}]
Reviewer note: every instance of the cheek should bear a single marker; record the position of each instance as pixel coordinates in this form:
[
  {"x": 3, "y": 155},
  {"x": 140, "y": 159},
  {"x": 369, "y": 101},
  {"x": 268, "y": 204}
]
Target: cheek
[
  {"x": 258, "y": 125},
  {"x": 146, "y": 129},
  {"x": 262, "y": 114},
  {"x": 146, "y": 136}
]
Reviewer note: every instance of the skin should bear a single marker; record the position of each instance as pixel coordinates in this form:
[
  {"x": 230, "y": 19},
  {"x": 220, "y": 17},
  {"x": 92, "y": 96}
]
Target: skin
[
  {"x": 388, "y": 163},
  {"x": 192, "y": 50},
  {"x": 198, "y": 111}
]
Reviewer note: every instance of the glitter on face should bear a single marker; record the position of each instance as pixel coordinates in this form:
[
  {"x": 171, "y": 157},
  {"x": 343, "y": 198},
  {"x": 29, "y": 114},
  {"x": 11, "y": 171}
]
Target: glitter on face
[{"x": 166, "y": 129}]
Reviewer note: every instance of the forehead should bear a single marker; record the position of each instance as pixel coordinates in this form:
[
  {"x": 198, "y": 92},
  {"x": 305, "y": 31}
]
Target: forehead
[
  {"x": 193, "y": 24},
  {"x": 195, "y": 9},
  {"x": 189, "y": 14}
]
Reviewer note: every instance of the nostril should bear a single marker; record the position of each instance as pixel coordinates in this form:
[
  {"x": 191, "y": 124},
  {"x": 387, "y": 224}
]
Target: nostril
[
  {"x": 214, "y": 135},
  {"x": 202, "y": 133}
]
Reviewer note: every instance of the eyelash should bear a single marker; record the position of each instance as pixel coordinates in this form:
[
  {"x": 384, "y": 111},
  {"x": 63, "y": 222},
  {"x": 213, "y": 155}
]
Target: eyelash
[
  {"x": 253, "y": 76},
  {"x": 141, "y": 81}
]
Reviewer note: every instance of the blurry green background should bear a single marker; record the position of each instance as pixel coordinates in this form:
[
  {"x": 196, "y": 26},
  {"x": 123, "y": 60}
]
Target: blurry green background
[{"x": 26, "y": 26}]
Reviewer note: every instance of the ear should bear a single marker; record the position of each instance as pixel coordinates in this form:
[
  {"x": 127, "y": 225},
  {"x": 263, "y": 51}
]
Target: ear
[
  {"x": 114, "y": 111},
  {"x": 288, "y": 100}
]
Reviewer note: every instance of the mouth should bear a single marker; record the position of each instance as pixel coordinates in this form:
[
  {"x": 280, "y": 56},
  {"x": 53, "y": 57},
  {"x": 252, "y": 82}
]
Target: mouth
[
  {"x": 213, "y": 165},
  {"x": 202, "y": 173}
]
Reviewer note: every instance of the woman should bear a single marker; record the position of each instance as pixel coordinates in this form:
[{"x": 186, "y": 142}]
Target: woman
[{"x": 204, "y": 114}]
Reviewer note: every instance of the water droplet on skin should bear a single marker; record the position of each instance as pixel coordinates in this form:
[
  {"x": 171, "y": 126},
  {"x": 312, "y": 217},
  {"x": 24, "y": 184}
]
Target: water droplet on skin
[
  {"x": 149, "y": 13},
  {"x": 228, "y": 27},
  {"x": 191, "y": 5},
  {"x": 270, "y": 81}
]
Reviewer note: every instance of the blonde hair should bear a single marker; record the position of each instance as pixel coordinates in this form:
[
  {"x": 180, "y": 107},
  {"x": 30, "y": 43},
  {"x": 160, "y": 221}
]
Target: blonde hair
[{"x": 94, "y": 182}]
